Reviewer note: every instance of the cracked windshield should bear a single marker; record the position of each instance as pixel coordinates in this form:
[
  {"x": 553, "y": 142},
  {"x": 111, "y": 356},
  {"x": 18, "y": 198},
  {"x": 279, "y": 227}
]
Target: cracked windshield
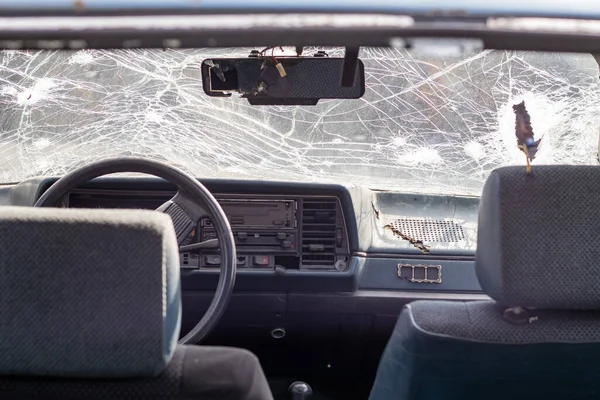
[{"x": 426, "y": 123}]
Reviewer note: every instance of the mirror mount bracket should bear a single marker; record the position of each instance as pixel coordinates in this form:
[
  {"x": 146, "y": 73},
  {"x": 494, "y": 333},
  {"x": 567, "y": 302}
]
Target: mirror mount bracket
[{"x": 349, "y": 66}]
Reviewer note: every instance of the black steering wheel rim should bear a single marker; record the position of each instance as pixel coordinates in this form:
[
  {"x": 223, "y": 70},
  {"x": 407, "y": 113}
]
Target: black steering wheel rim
[{"x": 189, "y": 188}]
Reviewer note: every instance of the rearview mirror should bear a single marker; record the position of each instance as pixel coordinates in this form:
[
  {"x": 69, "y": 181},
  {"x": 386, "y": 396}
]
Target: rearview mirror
[{"x": 284, "y": 80}]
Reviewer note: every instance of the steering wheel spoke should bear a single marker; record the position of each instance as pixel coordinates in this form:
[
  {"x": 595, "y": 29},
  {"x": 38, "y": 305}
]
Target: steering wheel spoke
[
  {"x": 207, "y": 244},
  {"x": 184, "y": 213}
]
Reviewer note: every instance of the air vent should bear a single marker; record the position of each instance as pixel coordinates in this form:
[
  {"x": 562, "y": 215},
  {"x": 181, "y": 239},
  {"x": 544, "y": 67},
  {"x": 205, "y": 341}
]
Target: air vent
[
  {"x": 430, "y": 230},
  {"x": 319, "y": 233}
]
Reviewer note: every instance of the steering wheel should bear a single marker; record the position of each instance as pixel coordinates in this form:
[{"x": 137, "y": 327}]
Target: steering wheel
[{"x": 191, "y": 203}]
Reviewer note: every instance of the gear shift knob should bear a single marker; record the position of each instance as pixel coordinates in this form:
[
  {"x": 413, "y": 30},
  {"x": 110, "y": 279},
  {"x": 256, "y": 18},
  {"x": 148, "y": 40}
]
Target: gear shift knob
[{"x": 300, "y": 391}]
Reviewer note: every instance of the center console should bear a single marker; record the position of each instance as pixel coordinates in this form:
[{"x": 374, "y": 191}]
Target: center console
[
  {"x": 290, "y": 232},
  {"x": 271, "y": 231}
]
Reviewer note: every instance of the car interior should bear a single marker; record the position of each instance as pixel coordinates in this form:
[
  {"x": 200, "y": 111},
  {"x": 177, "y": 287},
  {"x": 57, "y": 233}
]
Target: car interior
[{"x": 225, "y": 220}]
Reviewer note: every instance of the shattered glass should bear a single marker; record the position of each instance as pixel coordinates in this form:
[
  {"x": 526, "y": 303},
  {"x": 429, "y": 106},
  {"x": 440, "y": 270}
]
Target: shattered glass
[{"x": 426, "y": 124}]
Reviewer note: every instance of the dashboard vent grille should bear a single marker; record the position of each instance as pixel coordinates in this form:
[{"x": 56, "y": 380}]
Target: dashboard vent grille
[{"x": 319, "y": 218}]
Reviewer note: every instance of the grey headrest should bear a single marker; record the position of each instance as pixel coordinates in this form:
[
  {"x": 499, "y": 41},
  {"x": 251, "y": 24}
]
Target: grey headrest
[
  {"x": 538, "y": 239},
  {"x": 89, "y": 293}
]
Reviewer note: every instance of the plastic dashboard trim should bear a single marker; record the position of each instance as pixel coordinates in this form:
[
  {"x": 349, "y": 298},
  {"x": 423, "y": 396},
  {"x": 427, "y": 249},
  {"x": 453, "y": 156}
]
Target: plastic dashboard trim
[
  {"x": 371, "y": 271},
  {"x": 291, "y": 281},
  {"x": 27, "y": 192}
]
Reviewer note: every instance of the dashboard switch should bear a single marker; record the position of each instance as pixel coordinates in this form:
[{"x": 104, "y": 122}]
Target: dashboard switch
[
  {"x": 286, "y": 244},
  {"x": 262, "y": 261},
  {"x": 280, "y": 235},
  {"x": 212, "y": 259},
  {"x": 242, "y": 235}
]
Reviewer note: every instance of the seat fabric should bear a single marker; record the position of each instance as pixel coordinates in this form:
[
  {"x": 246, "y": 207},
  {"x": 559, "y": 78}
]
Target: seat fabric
[
  {"x": 87, "y": 293},
  {"x": 467, "y": 350}
]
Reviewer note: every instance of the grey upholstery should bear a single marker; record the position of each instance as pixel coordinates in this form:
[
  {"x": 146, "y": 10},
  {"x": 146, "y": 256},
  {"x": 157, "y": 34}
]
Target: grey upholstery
[
  {"x": 87, "y": 292},
  {"x": 538, "y": 237},
  {"x": 442, "y": 350},
  {"x": 483, "y": 321},
  {"x": 538, "y": 249}
]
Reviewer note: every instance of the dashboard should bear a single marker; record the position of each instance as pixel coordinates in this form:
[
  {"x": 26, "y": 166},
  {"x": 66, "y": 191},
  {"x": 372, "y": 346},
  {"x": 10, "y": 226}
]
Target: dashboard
[
  {"x": 271, "y": 232},
  {"x": 312, "y": 258}
]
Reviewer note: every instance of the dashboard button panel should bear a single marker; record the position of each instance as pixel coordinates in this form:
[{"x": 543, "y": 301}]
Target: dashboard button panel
[
  {"x": 261, "y": 261},
  {"x": 212, "y": 259}
]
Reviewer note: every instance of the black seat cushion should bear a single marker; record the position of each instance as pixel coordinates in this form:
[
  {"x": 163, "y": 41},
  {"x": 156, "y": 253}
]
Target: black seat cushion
[
  {"x": 195, "y": 372},
  {"x": 467, "y": 350}
]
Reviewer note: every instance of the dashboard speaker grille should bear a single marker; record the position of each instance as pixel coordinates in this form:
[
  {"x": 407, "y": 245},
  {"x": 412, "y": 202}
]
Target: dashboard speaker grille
[
  {"x": 430, "y": 230},
  {"x": 319, "y": 233}
]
